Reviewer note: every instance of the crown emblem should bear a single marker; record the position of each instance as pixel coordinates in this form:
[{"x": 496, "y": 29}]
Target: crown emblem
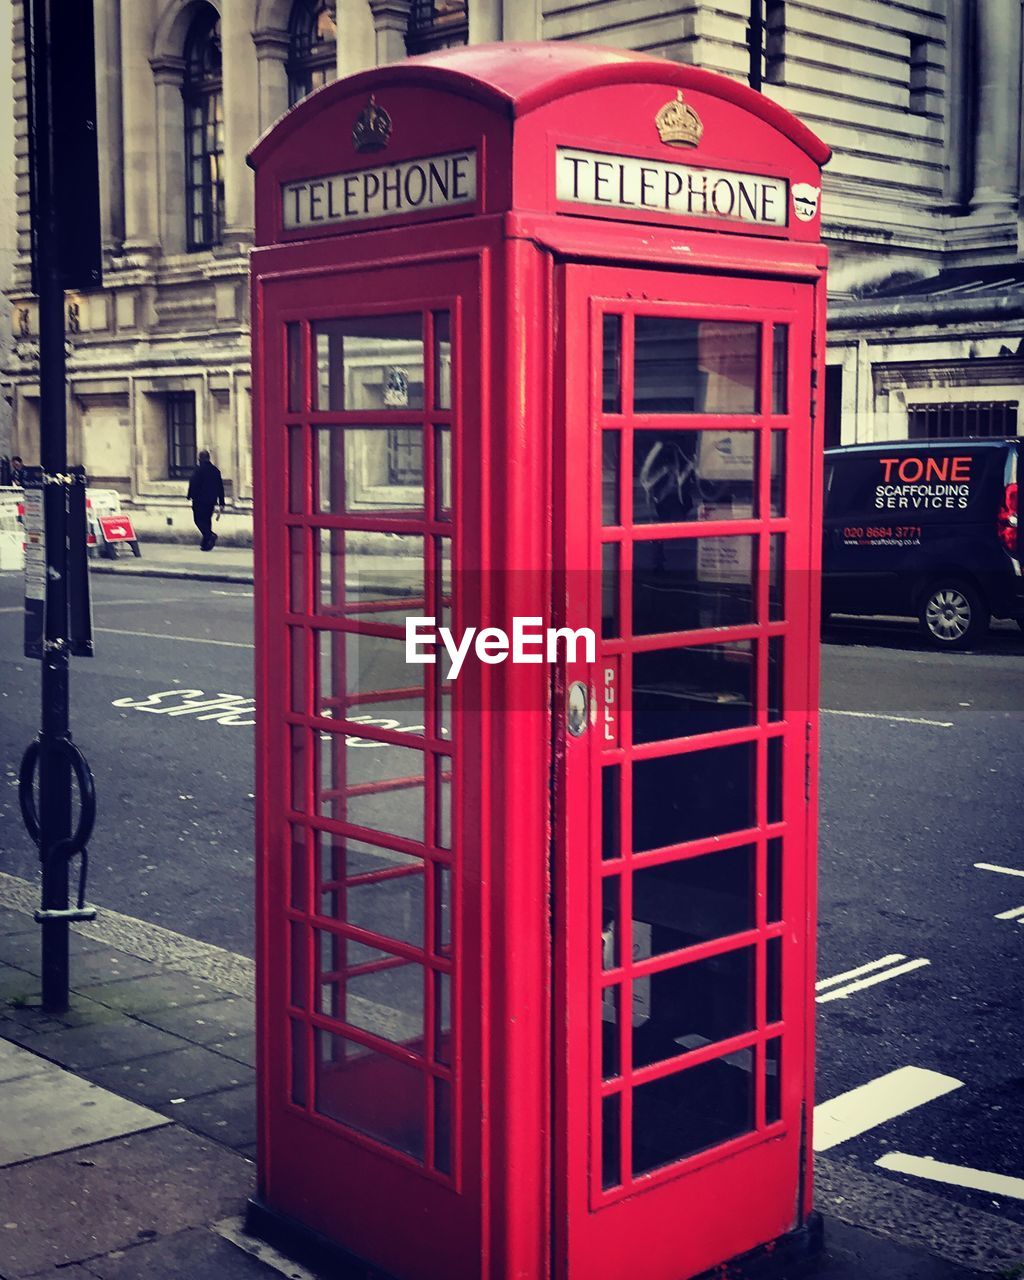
[
  {"x": 372, "y": 129},
  {"x": 678, "y": 124}
]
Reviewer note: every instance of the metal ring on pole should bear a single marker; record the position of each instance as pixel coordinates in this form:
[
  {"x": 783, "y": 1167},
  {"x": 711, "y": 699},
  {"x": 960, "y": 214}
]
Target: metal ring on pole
[{"x": 86, "y": 796}]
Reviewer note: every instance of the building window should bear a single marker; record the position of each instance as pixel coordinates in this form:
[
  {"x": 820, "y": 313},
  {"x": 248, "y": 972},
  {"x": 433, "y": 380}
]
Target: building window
[
  {"x": 775, "y": 42},
  {"x": 180, "y": 408},
  {"x": 405, "y": 456},
  {"x": 436, "y": 24},
  {"x": 204, "y": 130},
  {"x": 919, "y": 66},
  {"x": 964, "y": 418},
  {"x": 312, "y": 47}
]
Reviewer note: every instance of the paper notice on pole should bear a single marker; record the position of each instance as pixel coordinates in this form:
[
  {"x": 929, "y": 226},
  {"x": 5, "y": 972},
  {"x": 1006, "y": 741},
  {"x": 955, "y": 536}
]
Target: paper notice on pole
[{"x": 35, "y": 545}]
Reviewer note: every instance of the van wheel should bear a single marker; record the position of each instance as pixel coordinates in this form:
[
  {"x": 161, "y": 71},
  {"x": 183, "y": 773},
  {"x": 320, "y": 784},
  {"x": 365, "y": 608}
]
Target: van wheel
[{"x": 953, "y": 615}]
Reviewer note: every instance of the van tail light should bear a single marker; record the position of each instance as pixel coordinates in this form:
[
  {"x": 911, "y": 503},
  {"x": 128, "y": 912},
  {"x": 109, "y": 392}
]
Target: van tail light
[
  {"x": 1006, "y": 522},
  {"x": 90, "y": 537}
]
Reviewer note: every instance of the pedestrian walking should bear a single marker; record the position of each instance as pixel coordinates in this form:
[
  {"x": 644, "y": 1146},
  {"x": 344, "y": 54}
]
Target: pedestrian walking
[
  {"x": 205, "y": 491},
  {"x": 17, "y": 471}
]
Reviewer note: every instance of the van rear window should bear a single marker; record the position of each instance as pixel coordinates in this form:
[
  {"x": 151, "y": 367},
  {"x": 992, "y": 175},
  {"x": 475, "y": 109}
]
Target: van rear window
[{"x": 925, "y": 483}]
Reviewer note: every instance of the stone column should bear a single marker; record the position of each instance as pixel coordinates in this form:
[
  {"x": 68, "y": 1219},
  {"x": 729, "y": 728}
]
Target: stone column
[
  {"x": 357, "y": 40},
  {"x": 521, "y": 20},
  {"x": 390, "y": 22},
  {"x": 272, "y": 71},
  {"x": 997, "y": 140},
  {"x": 109, "y": 123},
  {"x": 485, "y": 20},
  {"x": 139, "y": 113},
  {"x": 241, "y": 115},
  {"x": 168, "y": 75}
]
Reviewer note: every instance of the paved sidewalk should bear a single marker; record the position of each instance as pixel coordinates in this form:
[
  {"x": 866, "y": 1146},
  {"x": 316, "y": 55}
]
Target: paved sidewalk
[
  {"x": 127, "y": 1130},
  {"x": 180, "y": 560}
]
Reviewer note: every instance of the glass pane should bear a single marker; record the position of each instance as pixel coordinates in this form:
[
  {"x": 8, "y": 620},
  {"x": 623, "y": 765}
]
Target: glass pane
[
  {"x": 610, "y": 590},
  {"x": 442, "y": 909},
  {"x": 366, "y": 679},
  {"x": 443, "y": 472},
  {"x": 380, "y": 786},
  {"x": 443, "y": 569},
  {"x": 611, "y": 1140},
  {"x": 774, "y": 880},
  {"x": 688, "y": 583},
  {"x": 297, "y": 572},
  {"x": 370, "y": 1092},
  {"x": 780, "y": 367},
  {"x": 691, "y": 796},
  {"x": 373, "y": 577},
  {"x": 296, "y": 469},
  {"x": 680, "y": 476},
  {"x": 442, "y": 1126},
  {"x": 610, "y": 442},
  {"x": 777, "y": 577},
  {"x": 443, "y": 1018},
  {"x": 299, "y": 862},
  {"x": 774, "y": 779},
  {"x": 773, "y": 1081},
  {"x": 367, "y": 469},
  {"x": 695, "y": 1005},
  {"x": 777, "y": 499},
  {"x": 442, "y": 360},
  {"x": 611, "y": 355},
  {"x": 610, "y": 931},
  {"x": 773, "y": 979},
  {"x": 295, "y": 389},
  {"x": 775, "y": 685},
  {"x": 611, "y": 810},
  {"x": 299, "y": 964},
  {"x": 299, "y": 670},
  {"x": 695, "y": 366},
  {"x": 692, "y": 1110},
  {"x": 679, "y": 692},
  {"x": 300, "y": 769},
  {"x": 300, "y": 1062},
  {"x": 443, "y": 802},
  {"x": 680, "y": 904},
  {"x": 367, "y": 363},
  {"x": 376, "y": 889},
  {"x": 611, "y": 1002},
  {"x": 379, "y": 993}
]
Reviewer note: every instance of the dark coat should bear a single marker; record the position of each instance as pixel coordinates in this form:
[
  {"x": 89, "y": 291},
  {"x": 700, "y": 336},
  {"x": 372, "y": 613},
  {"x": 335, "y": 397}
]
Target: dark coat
[{"x": 206, "y": 488}]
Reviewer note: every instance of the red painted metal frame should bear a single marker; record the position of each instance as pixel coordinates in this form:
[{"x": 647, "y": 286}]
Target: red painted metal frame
[{"x": 524, "y": 280}]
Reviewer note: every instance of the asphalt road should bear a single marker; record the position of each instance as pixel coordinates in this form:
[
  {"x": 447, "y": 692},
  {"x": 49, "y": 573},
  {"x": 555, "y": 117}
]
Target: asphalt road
[{"x": 922, "y": 758}]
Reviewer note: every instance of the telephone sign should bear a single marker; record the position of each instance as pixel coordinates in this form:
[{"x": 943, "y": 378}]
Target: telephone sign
[{"x": 535, "y": 330}]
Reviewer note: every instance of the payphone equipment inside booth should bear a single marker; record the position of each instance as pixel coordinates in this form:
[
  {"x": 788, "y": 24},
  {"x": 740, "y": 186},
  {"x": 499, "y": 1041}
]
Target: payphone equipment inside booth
[{"x": 537, "y": 334}]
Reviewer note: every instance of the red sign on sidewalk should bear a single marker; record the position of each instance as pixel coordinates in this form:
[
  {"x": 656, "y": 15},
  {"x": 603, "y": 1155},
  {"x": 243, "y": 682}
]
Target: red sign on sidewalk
[{"x": 117, "y": 528}]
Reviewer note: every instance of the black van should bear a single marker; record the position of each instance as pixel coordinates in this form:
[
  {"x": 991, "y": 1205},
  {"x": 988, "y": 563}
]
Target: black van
[{"x": 926, "y": 528}]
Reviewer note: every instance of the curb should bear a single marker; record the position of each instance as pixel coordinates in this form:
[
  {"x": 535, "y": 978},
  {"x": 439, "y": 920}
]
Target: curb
[{"x": 196, "y": 575}]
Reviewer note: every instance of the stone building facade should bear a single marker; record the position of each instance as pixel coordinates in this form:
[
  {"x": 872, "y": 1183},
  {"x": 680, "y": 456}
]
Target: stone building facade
[{"x": 919, "y": 99}]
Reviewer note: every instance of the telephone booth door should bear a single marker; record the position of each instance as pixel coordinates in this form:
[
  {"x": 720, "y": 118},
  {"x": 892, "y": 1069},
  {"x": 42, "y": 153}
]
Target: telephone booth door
[
  {"x": 368, "y": 1064},
  {"x": 681, "y": 850}
]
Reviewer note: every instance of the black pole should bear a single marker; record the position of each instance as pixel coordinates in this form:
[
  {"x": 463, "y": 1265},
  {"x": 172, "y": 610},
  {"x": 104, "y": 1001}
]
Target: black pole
[
  {"x": 54, "y": 768},
  {"x": 755, "y": 43}
]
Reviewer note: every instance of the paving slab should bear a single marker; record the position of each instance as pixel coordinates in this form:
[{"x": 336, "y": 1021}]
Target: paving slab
[
  {"x": 47, "y": 1110},
  {"x": 17, "y": 985},
  {"x": 106, "y": 965},
  {"x": 206, "y": 1023},
  {"x": 186, "y": 1073},
  {"x": 240, "y": 1048},
  {"x": 198, "y": 1254},
  {"x": 78, "y": 1048},
  {"x": 12, "y": 922},
  {"x": 81, "y": 1012},
  {"x": 22, "y": 947},
  {"x": 16, "y": 1062},
  {"x": 229, "y": 1116},
  {"x": 155, "y": 991},
  {"x": 852, "y": 1253},
  {"x": 114, "y": 1195}
]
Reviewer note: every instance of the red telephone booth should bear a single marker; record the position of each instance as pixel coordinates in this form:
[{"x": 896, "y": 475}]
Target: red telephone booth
[{"x": 537, "y": 334}]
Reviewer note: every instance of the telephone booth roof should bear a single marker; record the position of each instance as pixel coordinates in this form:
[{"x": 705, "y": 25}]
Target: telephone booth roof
[{"x": 515, "y": 108}]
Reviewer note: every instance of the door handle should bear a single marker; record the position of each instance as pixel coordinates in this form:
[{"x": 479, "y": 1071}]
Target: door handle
[{"x": 577, "y": 708}]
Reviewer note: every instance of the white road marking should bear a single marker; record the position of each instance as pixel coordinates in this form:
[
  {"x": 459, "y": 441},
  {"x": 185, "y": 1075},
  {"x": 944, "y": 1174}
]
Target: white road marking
[
  {"x": 871, "y": 1104},
  {"x": 1012, "y": 914},
  {"x": 877, "y": 715},
  {"x": 954, "y": 1175},
  {"x": 825, "y": 983},
  {"x": 240, "y": 595},
  {"x": 842, "y": 992},
  {"x": 1006, "y": 871},
  {"x": 153, "y": 635}
]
